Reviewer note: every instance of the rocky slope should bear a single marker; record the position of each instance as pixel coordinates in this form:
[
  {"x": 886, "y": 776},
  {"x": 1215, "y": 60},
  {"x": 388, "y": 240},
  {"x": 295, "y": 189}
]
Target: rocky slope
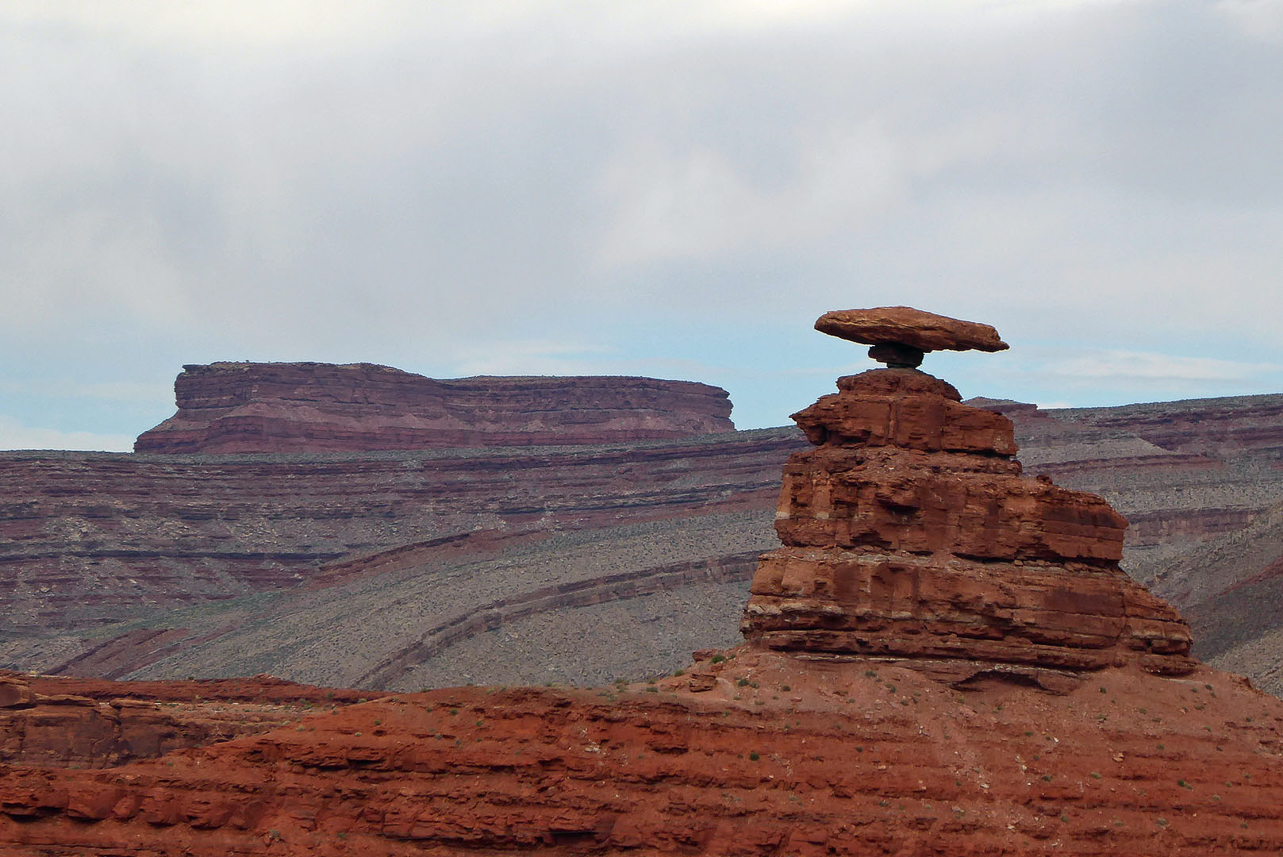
[
  {"x": 586, "y": 607},
  {"x": 943, "y": 658},
  {"x": 321, "y": 407},
  {"x": 89, "y": 539},
  {"x": 759, "y": 754}
]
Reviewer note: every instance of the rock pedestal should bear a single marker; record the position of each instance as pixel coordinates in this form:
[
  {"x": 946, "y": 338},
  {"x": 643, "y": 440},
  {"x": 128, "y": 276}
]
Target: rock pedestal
[{"x": 909, "y": 532}]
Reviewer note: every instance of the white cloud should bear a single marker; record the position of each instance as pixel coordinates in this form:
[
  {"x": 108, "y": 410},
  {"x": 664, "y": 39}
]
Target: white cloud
[
  {"x": 694, "y": 203},
  {"x": 1259, "y": 19},
  {"x": 527, "y": 357},
  {"x": 340, "y": 26},
  {"x": 1144, "y": 366},
  {"x": 15, "y": 435}
]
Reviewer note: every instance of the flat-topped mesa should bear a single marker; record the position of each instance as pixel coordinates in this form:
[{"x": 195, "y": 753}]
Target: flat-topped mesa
[
  {"x": 909, "y": 532},
  {"x": 322, "y": 407}
]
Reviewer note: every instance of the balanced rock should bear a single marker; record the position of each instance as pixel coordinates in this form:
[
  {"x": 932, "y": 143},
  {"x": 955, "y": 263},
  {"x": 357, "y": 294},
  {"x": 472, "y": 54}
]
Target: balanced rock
[
  {"x": 909, "y": 532},
  {"x": 900, "y": 335}
]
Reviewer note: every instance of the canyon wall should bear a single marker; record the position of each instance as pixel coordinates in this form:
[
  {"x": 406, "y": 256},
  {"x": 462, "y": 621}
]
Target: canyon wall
[
  {"x": 87, "y": 539},
  {"x": 176, "y": 565}
]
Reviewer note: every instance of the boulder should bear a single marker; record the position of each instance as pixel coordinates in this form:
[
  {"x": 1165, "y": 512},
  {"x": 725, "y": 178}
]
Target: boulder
[{"x": 913, "y": 328}]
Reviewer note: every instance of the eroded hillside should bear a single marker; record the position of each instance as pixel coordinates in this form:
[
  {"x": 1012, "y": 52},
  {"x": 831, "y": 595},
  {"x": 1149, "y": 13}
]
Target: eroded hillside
[{"x": 405, "y": 569}]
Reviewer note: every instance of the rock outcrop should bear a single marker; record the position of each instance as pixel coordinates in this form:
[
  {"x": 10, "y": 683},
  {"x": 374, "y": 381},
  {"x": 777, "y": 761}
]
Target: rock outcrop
[
  {"x": 58, "y": 722},
  {"x": 909, "y": 532},
  {"x": 322, "y": 407},
  {"x": 749, "y": 753}
]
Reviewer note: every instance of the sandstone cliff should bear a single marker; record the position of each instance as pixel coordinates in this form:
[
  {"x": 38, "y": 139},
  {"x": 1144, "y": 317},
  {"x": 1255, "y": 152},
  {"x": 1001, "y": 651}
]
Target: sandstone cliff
[
  {"x": 1200, "y": 483},
  {"x": 321, "y": 407}
]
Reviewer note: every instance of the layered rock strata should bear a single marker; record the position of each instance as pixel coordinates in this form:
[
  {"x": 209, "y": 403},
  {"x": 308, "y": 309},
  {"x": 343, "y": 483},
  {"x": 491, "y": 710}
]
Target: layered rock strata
[
  {"x": 910, "y": 539},
  {"x": 909, "y": 532},
  {"x": 751, "y": 753},
  {"x": 1173, "y": 499},
  {"x": 321, "y": 407},
  {"x": 87, "y": 539},
  {"x": 59, "y": 722}
]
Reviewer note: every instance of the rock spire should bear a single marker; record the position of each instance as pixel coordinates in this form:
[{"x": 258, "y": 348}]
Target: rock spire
[{"x": 908, "y": 532}]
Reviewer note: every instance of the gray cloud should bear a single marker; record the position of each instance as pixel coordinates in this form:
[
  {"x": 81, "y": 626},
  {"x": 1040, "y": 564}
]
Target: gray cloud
[{"x": 591, "y": 187}]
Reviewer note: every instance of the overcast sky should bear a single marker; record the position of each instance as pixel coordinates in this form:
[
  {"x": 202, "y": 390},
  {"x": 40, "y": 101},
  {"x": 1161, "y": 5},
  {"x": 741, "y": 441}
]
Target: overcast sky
[{"x": 675, "y": 189}]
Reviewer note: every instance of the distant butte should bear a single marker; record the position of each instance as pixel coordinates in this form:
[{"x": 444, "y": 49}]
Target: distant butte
[{"x": 360, "y": 407}]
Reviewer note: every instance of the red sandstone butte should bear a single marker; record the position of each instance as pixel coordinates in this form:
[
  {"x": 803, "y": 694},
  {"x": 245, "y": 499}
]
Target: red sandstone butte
[
  {"x": 321, "y": 407},
  {"x": 909, "y": 532}
]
